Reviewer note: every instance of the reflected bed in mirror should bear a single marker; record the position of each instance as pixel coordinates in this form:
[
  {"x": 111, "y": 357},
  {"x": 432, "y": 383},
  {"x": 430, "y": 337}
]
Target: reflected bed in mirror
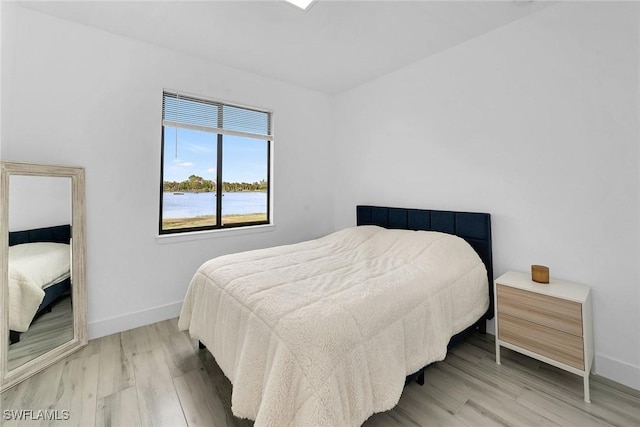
[
  {"x": 43, "y": 288},
  {"x": 40, "y": 309}
]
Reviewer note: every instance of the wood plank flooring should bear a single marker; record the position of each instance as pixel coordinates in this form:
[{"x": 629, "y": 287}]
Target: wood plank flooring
[
  {"x": 156, "y": 376},
  {"x": 47, "y": 331}
]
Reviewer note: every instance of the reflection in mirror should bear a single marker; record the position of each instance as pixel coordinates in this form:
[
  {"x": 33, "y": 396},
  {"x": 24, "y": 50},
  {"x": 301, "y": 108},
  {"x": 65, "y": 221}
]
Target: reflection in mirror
[
  {"x": 39, "y": 261},
  {"x": 43, "y": 304}
]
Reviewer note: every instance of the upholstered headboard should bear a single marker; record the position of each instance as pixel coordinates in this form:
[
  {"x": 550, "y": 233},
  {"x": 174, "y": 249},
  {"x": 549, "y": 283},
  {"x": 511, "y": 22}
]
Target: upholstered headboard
[
  {"x": 473, "y": 227},
  {"x": 55, "y": 234}
]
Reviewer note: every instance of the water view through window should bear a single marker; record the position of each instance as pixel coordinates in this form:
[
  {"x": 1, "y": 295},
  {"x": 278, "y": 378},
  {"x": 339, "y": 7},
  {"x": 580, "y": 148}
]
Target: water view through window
[
  {"x": 190, "y": 179},
  {"x": 244, "y": 180},
  {"x": 215, "y": 165}
]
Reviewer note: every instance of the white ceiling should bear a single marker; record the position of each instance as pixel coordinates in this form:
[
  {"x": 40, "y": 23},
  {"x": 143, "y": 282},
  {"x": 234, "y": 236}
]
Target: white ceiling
[{"x": 331, "y": 47}]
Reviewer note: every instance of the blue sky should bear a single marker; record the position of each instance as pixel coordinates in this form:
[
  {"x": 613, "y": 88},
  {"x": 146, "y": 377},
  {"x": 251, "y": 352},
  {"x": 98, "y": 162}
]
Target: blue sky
[{"x": 244, "y": 159}]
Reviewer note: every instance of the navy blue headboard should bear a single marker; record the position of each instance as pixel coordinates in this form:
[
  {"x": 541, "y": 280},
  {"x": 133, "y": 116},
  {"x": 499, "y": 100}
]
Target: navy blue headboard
[
  {"x": 473, "y": 227},
  {"x": 55, "y": 234}
]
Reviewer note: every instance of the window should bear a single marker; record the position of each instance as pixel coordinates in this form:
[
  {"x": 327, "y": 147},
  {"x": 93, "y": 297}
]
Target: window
[{"x": 215, "y": 165}]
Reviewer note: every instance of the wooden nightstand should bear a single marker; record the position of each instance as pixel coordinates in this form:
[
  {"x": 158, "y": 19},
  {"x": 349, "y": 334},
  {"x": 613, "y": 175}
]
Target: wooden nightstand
[{"x": 549, "y": 322}]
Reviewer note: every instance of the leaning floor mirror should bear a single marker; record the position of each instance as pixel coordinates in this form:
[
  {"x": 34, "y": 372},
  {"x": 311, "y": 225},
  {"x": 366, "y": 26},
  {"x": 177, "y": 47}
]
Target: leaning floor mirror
[{"x": 43, "y": 301}]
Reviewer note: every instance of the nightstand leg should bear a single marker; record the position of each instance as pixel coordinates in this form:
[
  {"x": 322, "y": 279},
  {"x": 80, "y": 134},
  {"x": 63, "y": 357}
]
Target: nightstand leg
[
  {"x": 497, "y": 353},
  {"x": 587, "y": 397}
]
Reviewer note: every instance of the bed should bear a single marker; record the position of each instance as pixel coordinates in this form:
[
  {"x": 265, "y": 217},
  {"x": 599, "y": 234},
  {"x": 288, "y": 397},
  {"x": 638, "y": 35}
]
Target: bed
[
  {"x": 325, "y": 332},
  {"x": 33, "y": 292}
]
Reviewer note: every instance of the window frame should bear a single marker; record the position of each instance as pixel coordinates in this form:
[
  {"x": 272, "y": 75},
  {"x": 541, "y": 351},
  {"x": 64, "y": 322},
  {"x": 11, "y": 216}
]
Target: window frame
[{"x": 219, "y": 132}]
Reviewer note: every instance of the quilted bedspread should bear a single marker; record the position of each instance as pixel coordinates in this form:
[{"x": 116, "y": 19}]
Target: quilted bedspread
[
  {"x": 32, "y": 266},
  {"x": 324, "y": 332}
]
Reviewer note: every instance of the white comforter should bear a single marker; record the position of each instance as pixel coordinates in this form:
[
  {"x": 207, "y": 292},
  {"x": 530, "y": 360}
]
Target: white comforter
[
  {"x": 323, "y": 333},
  {"x": 33, "y": 266}
]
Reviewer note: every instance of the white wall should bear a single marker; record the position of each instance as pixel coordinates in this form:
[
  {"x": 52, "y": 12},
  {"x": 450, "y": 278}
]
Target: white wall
[
  {"x": 83, "y": 97},
  {"x": 38, "y": 201},
  {"x": 535, "y": 122},
  {"x": 2, "y": 50},
  {"x": 6, "y": 46}
]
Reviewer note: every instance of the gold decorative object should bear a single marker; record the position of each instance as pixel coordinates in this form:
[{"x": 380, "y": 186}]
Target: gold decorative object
[{"x": 540, "y": 273}]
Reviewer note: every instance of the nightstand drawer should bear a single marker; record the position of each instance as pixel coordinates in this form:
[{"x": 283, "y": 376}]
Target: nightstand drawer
[
  {"x": 555, "y": 313},
  {"x": 560, "y": 346}
]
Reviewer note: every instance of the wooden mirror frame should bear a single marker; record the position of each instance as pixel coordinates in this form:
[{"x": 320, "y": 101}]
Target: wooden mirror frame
[{"x": 79, "y": 289}]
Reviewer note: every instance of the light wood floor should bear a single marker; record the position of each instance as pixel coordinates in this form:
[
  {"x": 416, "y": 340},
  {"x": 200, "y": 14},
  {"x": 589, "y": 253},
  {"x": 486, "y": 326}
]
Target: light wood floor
[
  {"x": 155, "y": 375},
  {"x": 47, "y": 331}
]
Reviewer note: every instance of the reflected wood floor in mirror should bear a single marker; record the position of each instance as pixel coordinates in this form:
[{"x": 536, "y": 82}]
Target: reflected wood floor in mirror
[
  {"x": 156, "y": 376},
  {"x": 47, "y": 331}
]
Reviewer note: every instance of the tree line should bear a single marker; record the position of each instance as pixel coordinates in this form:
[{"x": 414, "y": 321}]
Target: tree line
[{"x": 197, "y": 184}]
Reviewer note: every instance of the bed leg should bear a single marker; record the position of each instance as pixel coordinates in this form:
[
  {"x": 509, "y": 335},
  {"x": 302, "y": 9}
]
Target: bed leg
[
  {"x": 201, "y": 346},
  {"x": 420, "y": 379},
  {"x": 482, "y": 326}
]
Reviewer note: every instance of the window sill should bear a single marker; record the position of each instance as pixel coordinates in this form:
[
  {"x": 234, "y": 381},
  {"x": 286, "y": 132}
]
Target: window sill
[{"x": 213, "y": 234}]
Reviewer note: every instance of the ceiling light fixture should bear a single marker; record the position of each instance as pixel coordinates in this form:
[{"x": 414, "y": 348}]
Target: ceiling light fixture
[{"x": 302, "y": 4}]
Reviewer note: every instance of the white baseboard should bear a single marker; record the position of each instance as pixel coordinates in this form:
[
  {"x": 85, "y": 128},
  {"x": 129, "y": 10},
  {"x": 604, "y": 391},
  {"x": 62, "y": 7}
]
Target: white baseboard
[
  {"x": 101, "y": 328},
  {"x": 618, "y": 371}
]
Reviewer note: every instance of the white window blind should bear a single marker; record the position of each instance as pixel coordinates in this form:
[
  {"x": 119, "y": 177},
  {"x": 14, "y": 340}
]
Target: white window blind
[{"x": 185, "y": 111}]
